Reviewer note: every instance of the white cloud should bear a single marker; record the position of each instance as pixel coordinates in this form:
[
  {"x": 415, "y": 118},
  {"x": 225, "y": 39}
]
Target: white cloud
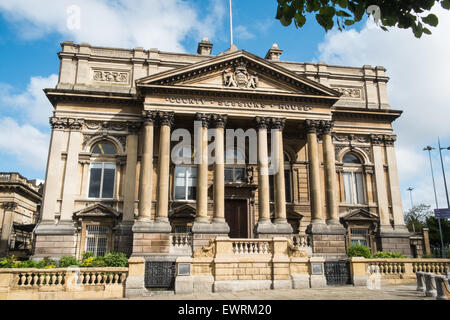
[
  {"x": 122, "y": 23},
  {"x": 32, "y": 104},
  {"x": 26, "y": 143},
  {"x": 243, "y": 33},
  {"x": 419, "y": 86}
]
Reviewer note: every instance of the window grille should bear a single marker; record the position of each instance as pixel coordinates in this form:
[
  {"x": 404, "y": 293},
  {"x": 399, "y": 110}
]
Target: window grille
[
  {"x": 360, "y": 236},
  {"x": 96, "y": 239}
]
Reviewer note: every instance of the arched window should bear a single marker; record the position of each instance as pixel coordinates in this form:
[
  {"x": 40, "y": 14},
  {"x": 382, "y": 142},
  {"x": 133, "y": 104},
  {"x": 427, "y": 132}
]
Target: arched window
[
  {"x": 287, "y": 180},
  {"x": 235, "y": 172},
  {"x": 102, "y": 171},
  {"x": 185, "y": 177},
  {"x": 353, "y": 179}
]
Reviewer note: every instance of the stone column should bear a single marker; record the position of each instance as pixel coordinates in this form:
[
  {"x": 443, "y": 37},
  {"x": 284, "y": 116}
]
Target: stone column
[
  {"x": 219, "y": 224},
  {"x": 71, "y": 173},
  {"x": 6, "y": 226},
  {"x": 330, "y": 175},
  {"x": 314, "y": 173},
  {"x": 146, "y": 174},
  {"x": 202, "y": 168},
  {"x": 264, "y": 224},
  {"x": 394, "y": 184},
  {"x": 124, "y": 229},
  {"x": 166, "y": 120},
  {"x": 426, "y": 241},
  {"x": 129, "y": 196},
  {"x": 281, "y": 225},
  {"x": 380, "y": 182}
]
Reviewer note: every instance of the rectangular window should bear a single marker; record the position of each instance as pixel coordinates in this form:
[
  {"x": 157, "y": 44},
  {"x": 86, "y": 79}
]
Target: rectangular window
[
  {"x": 234, "y": 174},
  {"x": 354, "y": 187},
  {"x": 359, "y": 236},
  {"x": 102, "y": 179},
  {"x": 97, "y": 239},
  {"x": 359, "y": 182},
  {"x": 348, "y": 187},
  {"x": 185, "y": 183}
]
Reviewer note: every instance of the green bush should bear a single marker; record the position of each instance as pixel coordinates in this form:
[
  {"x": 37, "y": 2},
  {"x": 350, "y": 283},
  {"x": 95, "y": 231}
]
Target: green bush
[
  {"x": 67, "y": 261},
  {"x": 8, "y": 262},
  {"x": 46, "y": 263},
  {"x": 116, "y": 259},
  {"x": 388, "y": 255},
  {"x": 90, "y": 261},
  {"x": 358, "y": 250},
  {"x": 86, "y": 255},
  {"x": 27, "y": 264}
]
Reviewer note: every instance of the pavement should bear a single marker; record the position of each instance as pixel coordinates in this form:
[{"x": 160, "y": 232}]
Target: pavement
[{"x": 385, "y": 292}]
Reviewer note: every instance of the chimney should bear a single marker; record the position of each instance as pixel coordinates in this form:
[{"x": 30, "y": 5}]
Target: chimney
[
  {"x": 204, "y": 47},
  {"x": 274, "y": 53}
]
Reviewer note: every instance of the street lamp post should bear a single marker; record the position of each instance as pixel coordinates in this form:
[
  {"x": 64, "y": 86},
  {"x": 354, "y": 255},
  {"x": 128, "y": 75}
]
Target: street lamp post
[
  {"x": 443, "y": 171},
  {"x": 429, "y": 148},
  {"x": 410, "y": 195}
]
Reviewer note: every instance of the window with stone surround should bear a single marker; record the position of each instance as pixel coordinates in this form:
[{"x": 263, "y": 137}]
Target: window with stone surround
[
  {"x": 353, "y": 179},
  {"x": 97, "y": 239},
  {"x": 359, "y": 236},
  {"x": 185, "y": 183},
  {"x": 102, "y": 171},
  {"x": 235, "y": 169}
]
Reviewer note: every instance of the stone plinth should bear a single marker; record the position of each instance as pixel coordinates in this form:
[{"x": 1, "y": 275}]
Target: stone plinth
[
  {"x": 327, "y": 241},
  {"x": 54, "y": 240}
]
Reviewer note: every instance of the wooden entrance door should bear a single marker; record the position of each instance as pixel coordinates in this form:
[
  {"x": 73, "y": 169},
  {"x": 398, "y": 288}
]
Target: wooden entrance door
[{"x": 236, "y": 215}]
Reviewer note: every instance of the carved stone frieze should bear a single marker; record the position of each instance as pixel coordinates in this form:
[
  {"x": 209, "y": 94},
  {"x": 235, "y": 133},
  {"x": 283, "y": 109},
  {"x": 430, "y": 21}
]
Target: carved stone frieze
[
  {"x": 206, "y": 251},
  {"x": 111, "y": 76},
  {"x": 350, "y": 92},
  {"x": 9, "y": 206}
]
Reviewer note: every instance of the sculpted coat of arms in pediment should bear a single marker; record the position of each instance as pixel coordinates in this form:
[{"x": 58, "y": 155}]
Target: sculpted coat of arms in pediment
[{"x": 240, "y": 77}]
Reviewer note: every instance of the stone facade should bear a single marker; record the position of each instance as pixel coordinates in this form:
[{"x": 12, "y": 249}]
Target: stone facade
[
  {"x": 327, "y": 130},
  {"x": 20, "y": 201}
]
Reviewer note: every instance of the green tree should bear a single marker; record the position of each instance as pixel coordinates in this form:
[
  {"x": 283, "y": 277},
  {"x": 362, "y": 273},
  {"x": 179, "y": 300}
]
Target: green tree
[
  {"x": 404, "y": 14},
  {"x": 415, "y": 218},
  {"x": 435, "y": 238}
]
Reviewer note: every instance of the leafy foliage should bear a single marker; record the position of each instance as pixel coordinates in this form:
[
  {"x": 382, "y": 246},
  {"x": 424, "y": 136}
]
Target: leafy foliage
[
  {"x": 68, "y": 261},
  {"x": 404, "y": 14},
  {"x": 416, "y": 217},
  {"x": 46, "y": 263},
  {"x": 388, "y": 255},
  {"x": 358, "y": 250},
  {"x": 116, "y": 259},
  {"x": 8, "y": 262}
]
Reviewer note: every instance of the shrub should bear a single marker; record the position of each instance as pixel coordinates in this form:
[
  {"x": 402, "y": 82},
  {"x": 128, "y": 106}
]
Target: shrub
[
  {"x": 45, "y": 263},
  {"x": 68, "y": 261},
  {"x": 427, "y": 256},
  {"x": 116, "y": 259},
  {"x": 27, "y": 264},
  {"x": 8, "y": 262},
  {"x": 86, "y": 255},
  {"x": 388, "y": 255},
  {"x": 91, "y": 261},
  {"x": 358, "y": 250}
]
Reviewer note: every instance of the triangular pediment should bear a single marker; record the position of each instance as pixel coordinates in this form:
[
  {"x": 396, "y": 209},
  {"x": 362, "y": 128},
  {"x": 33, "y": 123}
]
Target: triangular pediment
[
  {"x": 359, "y": 215},
  {"x": 185, "y": 210},
  {"x": 239, "y": 71},
  {"x": 97, "y": 210}
]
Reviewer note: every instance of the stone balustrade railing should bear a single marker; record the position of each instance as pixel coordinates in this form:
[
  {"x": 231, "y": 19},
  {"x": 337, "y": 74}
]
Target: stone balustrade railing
[
  {"x": 62, "y": 276},
  {"x": 17, "y": 178},
  {"x": 181, "y": 243},
  {"x": 253, "y": 246},
  {"x": 396, "y": 270},
  {"x": 301, "y": 241}
]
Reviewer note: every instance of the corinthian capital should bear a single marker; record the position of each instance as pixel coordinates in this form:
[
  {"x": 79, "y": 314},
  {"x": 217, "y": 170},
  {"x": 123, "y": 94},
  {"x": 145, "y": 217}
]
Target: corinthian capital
[
  {"x": 277, "y": 123},
  {"x": 149, "y": 116},
  {"x": 75, "y": 124},
  {"x": 219, "y": 120},
  {"x": 58, "y": 123},
  {"x": 376, "y": 139},
  {"x": 262, "y": 122},
  {"x": 166, "y": 118},
  {"x": 389, "y": 140},
  {"x": 311, "y": 126},
  {"x": 204, "y": 118},
  {"x": 326, "y": 126},
  {"x": 133, "y": 127}
]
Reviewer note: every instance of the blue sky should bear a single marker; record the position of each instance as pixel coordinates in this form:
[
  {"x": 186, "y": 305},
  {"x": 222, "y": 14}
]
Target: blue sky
[{"x": 31, "y": 31}]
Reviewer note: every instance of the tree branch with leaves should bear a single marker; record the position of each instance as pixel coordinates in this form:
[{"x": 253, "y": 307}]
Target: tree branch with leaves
[{"x": 403, "y": 14}]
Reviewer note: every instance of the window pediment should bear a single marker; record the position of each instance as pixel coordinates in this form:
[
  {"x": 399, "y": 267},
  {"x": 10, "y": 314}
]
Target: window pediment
[{"x": 97, "y": 210}]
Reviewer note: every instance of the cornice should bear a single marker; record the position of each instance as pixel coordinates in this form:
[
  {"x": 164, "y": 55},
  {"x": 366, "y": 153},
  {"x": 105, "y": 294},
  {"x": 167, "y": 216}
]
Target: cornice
[
  {"x": 64, "y": 95},
  {"x": 364, "y": 113}
]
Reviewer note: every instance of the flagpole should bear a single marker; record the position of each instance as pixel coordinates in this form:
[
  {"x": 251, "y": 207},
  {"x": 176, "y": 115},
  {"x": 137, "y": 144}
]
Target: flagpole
[{"x": 231, "y": 26}]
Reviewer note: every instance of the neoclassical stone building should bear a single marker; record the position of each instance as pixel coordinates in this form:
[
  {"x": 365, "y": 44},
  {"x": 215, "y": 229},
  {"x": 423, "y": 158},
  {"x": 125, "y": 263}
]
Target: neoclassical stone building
[{"x": 113, "y": 182}]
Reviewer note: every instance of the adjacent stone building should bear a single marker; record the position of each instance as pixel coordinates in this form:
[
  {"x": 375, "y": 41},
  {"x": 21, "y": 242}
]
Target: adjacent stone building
[
  {"x": 20, "y": 202},
  {"x": 113, "y": 182}
]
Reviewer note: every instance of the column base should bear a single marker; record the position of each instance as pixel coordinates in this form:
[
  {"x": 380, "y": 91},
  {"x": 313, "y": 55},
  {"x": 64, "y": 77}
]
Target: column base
[
  {"x": 282, "y": 226},
  {"x": 327, "y": 241},
  {"x": 395, "y": 240},
  {"x": 151, "y": 227},
  {"x": 124, "y": 237},
  {"x": 216, "y": 227},
  {"x": 55, "y": 240},
  {"x": 264, "y": 227}
]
